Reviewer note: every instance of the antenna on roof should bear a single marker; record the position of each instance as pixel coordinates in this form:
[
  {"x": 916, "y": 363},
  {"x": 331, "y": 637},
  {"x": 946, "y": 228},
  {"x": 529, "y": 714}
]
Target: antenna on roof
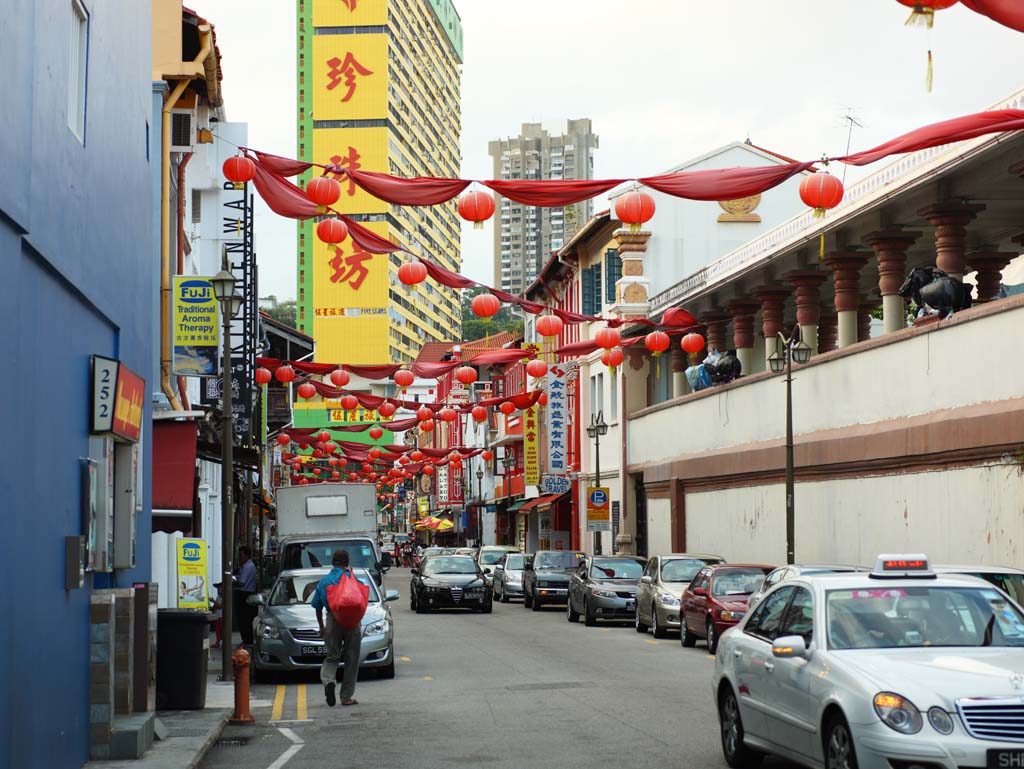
[{"x": 851, "y": 121}]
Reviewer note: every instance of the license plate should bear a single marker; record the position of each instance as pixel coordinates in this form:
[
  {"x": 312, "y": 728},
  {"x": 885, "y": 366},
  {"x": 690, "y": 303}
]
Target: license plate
[
  {"x": 1012, "y": 758},
  {"x": 314, "y": 651},
  {"x": 630, "y": 605}
]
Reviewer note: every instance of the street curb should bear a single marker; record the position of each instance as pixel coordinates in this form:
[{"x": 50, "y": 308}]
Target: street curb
[{"x": 210, "y": 740}]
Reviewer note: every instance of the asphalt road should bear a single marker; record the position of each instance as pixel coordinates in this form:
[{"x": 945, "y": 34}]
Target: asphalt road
[{"x": 515, "y": 689}]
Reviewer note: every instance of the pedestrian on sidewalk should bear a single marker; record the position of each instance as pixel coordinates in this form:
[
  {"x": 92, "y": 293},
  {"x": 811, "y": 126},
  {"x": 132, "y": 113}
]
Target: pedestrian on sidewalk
[
  {"x": 245, "y": 582},
  {"x": 342, "y": 644},
  {"x": 217, "y": 607}
]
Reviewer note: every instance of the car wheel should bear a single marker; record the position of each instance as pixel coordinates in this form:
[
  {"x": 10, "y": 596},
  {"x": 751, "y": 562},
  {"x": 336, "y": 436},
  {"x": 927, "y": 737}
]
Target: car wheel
[
  {"x": 504, "y": 596},
  {"x": 388, "y": 671},
  {"x": 658, "y": 630},
  {"x": 412, "y": 601},
  {"x": 527, "y": 600},
  {"x": 536, "y": 604},
  {"x": 420, "y": 608},
  {"x": 588, "y": 619},
  {"x": 640, "y": 626},
  {"x": 839, "y": 750},
  {"x": 736, "y": 753},
  {"x": 712, "y": 637},
  {"x": 494, "y": 592},
  {"x": 571, "y": 614},
  {"x": 488, "y": 607}
]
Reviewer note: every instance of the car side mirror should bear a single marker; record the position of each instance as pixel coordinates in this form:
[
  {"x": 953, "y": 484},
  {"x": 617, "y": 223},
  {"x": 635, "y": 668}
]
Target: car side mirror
[
  {"x": 392, "y": 595},
  {"x": 646, "y": 579},
  {"x": 255, "y": 600},
  {"x": 383, "y": 566},
  {"x": 790, "y": 646},
  {"x": 700, "y": 591},
  {"x": 487, "y": 571},
  {"x": 415, "y": 572}
]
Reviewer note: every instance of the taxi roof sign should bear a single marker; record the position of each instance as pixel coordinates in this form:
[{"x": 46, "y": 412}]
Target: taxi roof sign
[{"x": 902, "y": 565}]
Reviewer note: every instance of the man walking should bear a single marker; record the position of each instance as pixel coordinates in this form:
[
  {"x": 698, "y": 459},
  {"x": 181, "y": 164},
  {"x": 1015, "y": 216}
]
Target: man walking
[
  {"x": 342, "y": 644},
  {"x": 245, "y": 581}
]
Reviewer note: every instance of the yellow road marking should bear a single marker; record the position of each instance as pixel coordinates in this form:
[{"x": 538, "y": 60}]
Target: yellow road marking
[
  {"x": 428, "y": 678},
  {"x": 300, "y": 705},
  {"x": 405, "y": 659},
  {"x": 652, "y": 643},
  {"x": 275, "y": 714},
  {"x": 606, "y": 630},
  {"x": 711, "y": 656}
]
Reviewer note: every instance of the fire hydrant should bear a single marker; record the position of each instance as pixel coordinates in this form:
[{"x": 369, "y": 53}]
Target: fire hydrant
[{"x": 240, "y": 663}]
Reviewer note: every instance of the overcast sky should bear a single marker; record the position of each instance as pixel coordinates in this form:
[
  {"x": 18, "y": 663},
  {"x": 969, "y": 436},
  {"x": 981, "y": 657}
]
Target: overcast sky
[{"x": 663, "y": 81}]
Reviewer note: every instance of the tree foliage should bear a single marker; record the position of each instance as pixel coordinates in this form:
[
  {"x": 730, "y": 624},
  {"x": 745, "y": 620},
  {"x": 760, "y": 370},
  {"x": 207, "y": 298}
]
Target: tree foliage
[
  {"x": 283, "y": 312},
  {"x": 474, "y": 327}
]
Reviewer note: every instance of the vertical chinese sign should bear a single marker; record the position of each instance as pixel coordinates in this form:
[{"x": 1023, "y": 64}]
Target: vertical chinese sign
[
  {"x": 557, "y": 422},
  {"x": 531, "y": 453}
]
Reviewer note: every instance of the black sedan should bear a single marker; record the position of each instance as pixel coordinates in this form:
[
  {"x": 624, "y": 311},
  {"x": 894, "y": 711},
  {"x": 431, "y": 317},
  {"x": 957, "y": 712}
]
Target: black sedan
[{"x": 449, "y": 582}]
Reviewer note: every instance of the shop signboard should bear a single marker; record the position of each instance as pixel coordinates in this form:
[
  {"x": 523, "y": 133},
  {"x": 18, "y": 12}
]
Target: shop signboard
[
  {"x": 557, "y": 421},
  {"x": 598, "y": 517},
  {"x": 196, "y": 330},
  {"x": 555, "y": 484},
  {"x": 192, "y": 588},
  {"x": 531, "y": 447}
]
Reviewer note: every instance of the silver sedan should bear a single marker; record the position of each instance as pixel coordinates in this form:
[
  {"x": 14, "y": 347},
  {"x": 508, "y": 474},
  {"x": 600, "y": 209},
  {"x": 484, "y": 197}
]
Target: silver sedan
[
  {"x": 661, "y": 589},
  {"x": 507, "y": 579}
]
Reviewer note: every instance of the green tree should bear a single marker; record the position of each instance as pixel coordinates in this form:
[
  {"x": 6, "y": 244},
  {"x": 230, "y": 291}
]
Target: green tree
[
  {"x": 283, "y": 312},
  {"x": 474, "y": 328}
]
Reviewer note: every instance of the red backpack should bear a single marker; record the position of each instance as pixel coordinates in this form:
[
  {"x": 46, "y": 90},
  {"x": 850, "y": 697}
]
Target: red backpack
[{"x": 347, "y": 600}]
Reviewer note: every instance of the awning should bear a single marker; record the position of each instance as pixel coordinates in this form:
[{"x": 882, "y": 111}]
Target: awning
[
  {"x": 540, "y": 503},
  {"x": 516, "y": 505},
  {"x": 174, "y": 467},
  {"x": 241, "y": 456}
]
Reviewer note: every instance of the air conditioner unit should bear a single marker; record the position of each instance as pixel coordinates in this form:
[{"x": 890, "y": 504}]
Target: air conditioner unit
[{"x": 183, "y": 133}]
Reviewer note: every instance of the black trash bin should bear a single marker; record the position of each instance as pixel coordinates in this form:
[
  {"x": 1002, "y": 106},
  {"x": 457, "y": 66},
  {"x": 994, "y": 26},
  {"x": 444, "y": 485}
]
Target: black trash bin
[{"x": 182, "y": 638}]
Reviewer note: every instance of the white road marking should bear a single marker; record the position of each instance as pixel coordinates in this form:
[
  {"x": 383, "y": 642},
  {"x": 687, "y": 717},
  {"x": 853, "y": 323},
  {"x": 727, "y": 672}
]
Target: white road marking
[
  {"x": 290, "y": 735},
  {"x": 287, "y": 756}
]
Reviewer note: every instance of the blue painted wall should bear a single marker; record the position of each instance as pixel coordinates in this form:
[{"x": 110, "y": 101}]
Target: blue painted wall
[{"x": 76, "y": 257}]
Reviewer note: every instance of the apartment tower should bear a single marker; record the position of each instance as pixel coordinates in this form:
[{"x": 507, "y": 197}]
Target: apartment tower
[
  {"x": 379, "y": 90},
  {"x": 525, "y": 236}
]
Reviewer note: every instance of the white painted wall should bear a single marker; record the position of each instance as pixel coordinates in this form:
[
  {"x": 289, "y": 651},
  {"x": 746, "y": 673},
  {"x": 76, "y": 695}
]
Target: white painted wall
[
  {"x": 659, "y": 526},
  {"x": 968, "y": 515}
]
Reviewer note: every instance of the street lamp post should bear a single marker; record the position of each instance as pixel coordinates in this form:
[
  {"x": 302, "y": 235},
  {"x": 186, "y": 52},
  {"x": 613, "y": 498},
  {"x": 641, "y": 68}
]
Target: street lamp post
[
  {"x": 479, "y": 506},
  {"x": 224, "y": 289},
  {"x": 508, "y": 461},
  {"x": 787, "y": 351},
  {"x": 595, "y": 430}
]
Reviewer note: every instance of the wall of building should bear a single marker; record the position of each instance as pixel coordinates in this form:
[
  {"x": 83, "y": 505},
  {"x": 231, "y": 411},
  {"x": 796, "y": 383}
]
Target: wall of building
[{"x": 75, "y": 225}]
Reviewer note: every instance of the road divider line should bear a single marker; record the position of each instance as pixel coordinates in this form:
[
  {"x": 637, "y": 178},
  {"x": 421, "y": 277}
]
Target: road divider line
[
  {"x": 428, "y": 678},
  {"x": 652, "y": 643},
  {"x": 404, "y": 659},
  {"x": 275, "y": 714},
  {"x": 300, "y": 704}
]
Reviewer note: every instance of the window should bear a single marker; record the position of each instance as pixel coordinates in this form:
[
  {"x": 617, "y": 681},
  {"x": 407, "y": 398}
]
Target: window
[
  {"x": 800, "y": 616},
  {"x": 78, "y": 56},
  {"x": 587, "y": 291},
  {"x": 613, "y": 394},
  {"x": 701, "y": 580},
  {"x": 613, "y": 271},
  {"x": 768, "y": 615},
  {"x": 599, "y": 402}
]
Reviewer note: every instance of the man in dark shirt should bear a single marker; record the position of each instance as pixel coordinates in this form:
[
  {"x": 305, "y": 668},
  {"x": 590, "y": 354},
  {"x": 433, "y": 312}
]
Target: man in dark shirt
[{"x": 245, "y": 586}]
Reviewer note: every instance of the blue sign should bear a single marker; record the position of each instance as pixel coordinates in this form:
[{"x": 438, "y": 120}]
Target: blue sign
[
  {"x": 555, "y": 484},
  {"x": 190, "y": 552},
  {"x": 598, "y": 498},
  {"x": 196, "y": 291}
]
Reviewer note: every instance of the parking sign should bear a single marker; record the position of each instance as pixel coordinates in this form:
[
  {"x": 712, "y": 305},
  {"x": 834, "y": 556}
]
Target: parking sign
[{"x": 598, "y": 518}]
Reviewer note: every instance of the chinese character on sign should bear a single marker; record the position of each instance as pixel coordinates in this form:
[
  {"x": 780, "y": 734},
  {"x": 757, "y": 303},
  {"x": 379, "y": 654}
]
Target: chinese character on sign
[
  {"x": 347, "y": 68},
  {"x": 350, "y": 269},
  {"x": 351, "y": 162},
  {"x": 350, "y": 4}
]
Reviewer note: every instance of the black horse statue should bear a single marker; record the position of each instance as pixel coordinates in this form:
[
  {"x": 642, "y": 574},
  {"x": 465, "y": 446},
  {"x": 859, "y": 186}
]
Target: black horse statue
[{"x": 931, "y": 287}]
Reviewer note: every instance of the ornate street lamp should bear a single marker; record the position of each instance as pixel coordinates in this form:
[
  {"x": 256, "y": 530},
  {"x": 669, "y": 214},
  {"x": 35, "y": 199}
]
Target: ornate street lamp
[
  {"x": 789, "y": 350},
  {"x": 595, "y": 430}
]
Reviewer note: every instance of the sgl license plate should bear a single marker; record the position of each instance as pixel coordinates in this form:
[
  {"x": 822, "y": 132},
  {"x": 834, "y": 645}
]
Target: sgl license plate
[
  {"x": 1005, "y": 758},
  {"x": 314, "y": 651},
  {"x": 630, "y": 605}
]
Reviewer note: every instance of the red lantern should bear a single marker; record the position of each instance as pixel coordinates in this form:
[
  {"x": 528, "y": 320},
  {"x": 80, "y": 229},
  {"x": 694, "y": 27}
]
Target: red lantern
[
  {"x": 331, "y": 231},
  {"x": 542, "y": 399},
  {"x": 303, "y": 481},
  {"x": 416, "y": 455},
  {"x": 427, "y": 425},
  {"x": 330, "y": 447},
  {"x": 332, "y": 462},
  {"x": 607, "y": 338},
  {"x": 340, "y": 378},
  {"x": 821, "y": 191},
  {"x": 507, "y": 407},
  {"x": 424, "y": 413},
  {"x": 306, "y": 390},
  {"x": 447, "y": 415},
  {"x": 372, "y": 476},
  {"x": 318, "y": 454},
  {"x": 316, "y": 471},
  {"x": 285, "y": 374},
  {"x": 376, "y": 433},
  {"x": 466, "y": 374},
  {"x": 924, "y": 10},
  {"x": 349, "y": 402},
  {"x": 375, "y": 453},
  {"x": 487, "y": 456},
  {"x": 615, "y": 356},
  {"x": 479, "y": 413},
  {"x": 536, "y": 368},
  {"x": 283, "y": 439},
  {"x": 324, "y": 436},
  {"x": 387, "y": 409},
  {"x": 476, "y": 207},
  {"x": 412, "y": 273},
  {"x": 692, "y": 343},
  {"x": 353, "y": 476},
  {"x": 657, "y": 342},
  {"x": 485, "y": 305},
  {"x": 335, "y": 475},
  {"x": 404, "y": 377},
  {"x": 634, "y": 208},
  {"x": 239, "y": 169},
  {"x": 403, "y": 460},
  {"x": 428, "y": 470},
  {"x": 323, "y": 190},
  {"x": 549, "y": 325},
  {"x": 263, "y": 375}
]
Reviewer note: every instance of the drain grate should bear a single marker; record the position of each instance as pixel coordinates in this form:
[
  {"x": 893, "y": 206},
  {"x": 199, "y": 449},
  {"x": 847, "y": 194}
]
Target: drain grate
[
  {"x": 187, "y": 732},
  {"x": 236, "y": 742},
  {"x": 549, "y": 686}
]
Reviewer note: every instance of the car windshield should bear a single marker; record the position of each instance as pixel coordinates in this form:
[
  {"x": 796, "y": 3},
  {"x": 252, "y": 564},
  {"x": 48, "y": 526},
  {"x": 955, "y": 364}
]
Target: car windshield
[
  {"x": 299, "y": 588},
  {"x": 885, "y": 618},
  {"x": 681, "y": 569},
  {"x": 313, "y": 555},
  {"x": 490, "y": 557},
  {"x": 563, "y": 560},
  {"x": 736, "y": 581},
  {"x": 616, "y": 568},
  {"x": 434, "y": 551},
  {"x": 455, "y": 564},
  {"x": 1011, "y": 584},
  {"x": 514, "y": 562}
]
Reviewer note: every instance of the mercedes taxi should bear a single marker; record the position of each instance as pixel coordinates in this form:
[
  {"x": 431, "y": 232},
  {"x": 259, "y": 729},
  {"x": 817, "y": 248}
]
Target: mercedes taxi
[{"x": 899, "y": 668}]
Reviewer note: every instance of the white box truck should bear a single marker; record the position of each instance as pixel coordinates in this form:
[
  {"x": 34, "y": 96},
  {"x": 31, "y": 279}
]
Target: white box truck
[{"x": 314, "y": 521}]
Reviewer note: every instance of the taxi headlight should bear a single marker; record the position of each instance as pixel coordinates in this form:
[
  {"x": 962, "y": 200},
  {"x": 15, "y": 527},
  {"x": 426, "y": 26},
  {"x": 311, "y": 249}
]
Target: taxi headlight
[
  {"x": 268, "y": 631},
  {"x": 898, "y": 713},
  {"x": 940, "y": 720},
  {"x": 376, "y": 628},
  {"x": 667, "y": 599}
]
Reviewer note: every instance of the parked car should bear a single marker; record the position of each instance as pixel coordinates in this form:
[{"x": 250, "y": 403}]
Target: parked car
[
  {"x": 661, "y": 588},
  {"x": 507, "y": 578},
  {"x": 288, "y": 638},
  {"x": 900, "y": 667},
  {"x": 449, "y": 582},
  {"x": 783, "y": 573},
  {"x": 1010, "y": 581},
  {"x": 717, "y": 599},
  {"x": 429, "y": 551},
  {"x": 604, "y": 587},
  {"x": 546, "y": 577},
  {"x": 470, "y": 551}
]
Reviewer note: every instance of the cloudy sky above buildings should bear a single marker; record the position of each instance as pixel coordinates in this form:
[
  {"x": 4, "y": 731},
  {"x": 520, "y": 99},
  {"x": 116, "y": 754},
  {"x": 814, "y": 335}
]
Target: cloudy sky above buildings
[{"x": 663, "y": 81}]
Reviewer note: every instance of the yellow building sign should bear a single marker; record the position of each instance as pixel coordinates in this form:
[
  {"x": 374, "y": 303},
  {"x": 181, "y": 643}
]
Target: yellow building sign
[
  {"x": 192, "y": 590},
  {"x": 196, "y": 326},
  {"x": 531, "y": 451},
  {"x": 350, "y": 13},
  {"x": 349, "y": 77},
  {"x": 358, "y": 149}
]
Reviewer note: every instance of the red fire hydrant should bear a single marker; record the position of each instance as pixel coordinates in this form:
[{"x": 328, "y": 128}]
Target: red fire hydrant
[{"x": 240, "y": 662}]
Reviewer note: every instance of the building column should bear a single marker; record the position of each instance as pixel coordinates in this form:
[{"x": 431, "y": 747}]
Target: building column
[
  {"x": 846, "y": 267},
  {"x": 717, "y": 323},
  {"x": 632, "y": 290},
  {"x": 742, "y": 311},
  {"x": 865, "y": 309},
  {"x": 950, "y": 220},
  {"x": 827, "y": 330},
  {"x": 808, "y": 302},
  {"x": 890, "y": 246},
  {"x": 773, "y": 302},
  {"x": 679, "y": 364},
  {"x": 989, "y": 265}
]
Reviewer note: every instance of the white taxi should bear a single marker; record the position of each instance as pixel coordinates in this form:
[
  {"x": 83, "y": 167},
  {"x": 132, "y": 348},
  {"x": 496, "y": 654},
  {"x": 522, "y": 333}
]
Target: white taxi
[{"x": 897, "y": 669}]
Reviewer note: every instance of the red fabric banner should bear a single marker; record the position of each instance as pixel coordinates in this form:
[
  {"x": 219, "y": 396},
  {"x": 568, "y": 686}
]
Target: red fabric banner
[
  {"x": 417, "y": 191},
  {"x": 367, "y": 239},
  {"x": 1009, "y": 13},
  {"x": 281, "y": 166},
  {"x": 283, "y": 197},
  {"x": 551, "y": 192},
  {"x": 724, "y": 183}
]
